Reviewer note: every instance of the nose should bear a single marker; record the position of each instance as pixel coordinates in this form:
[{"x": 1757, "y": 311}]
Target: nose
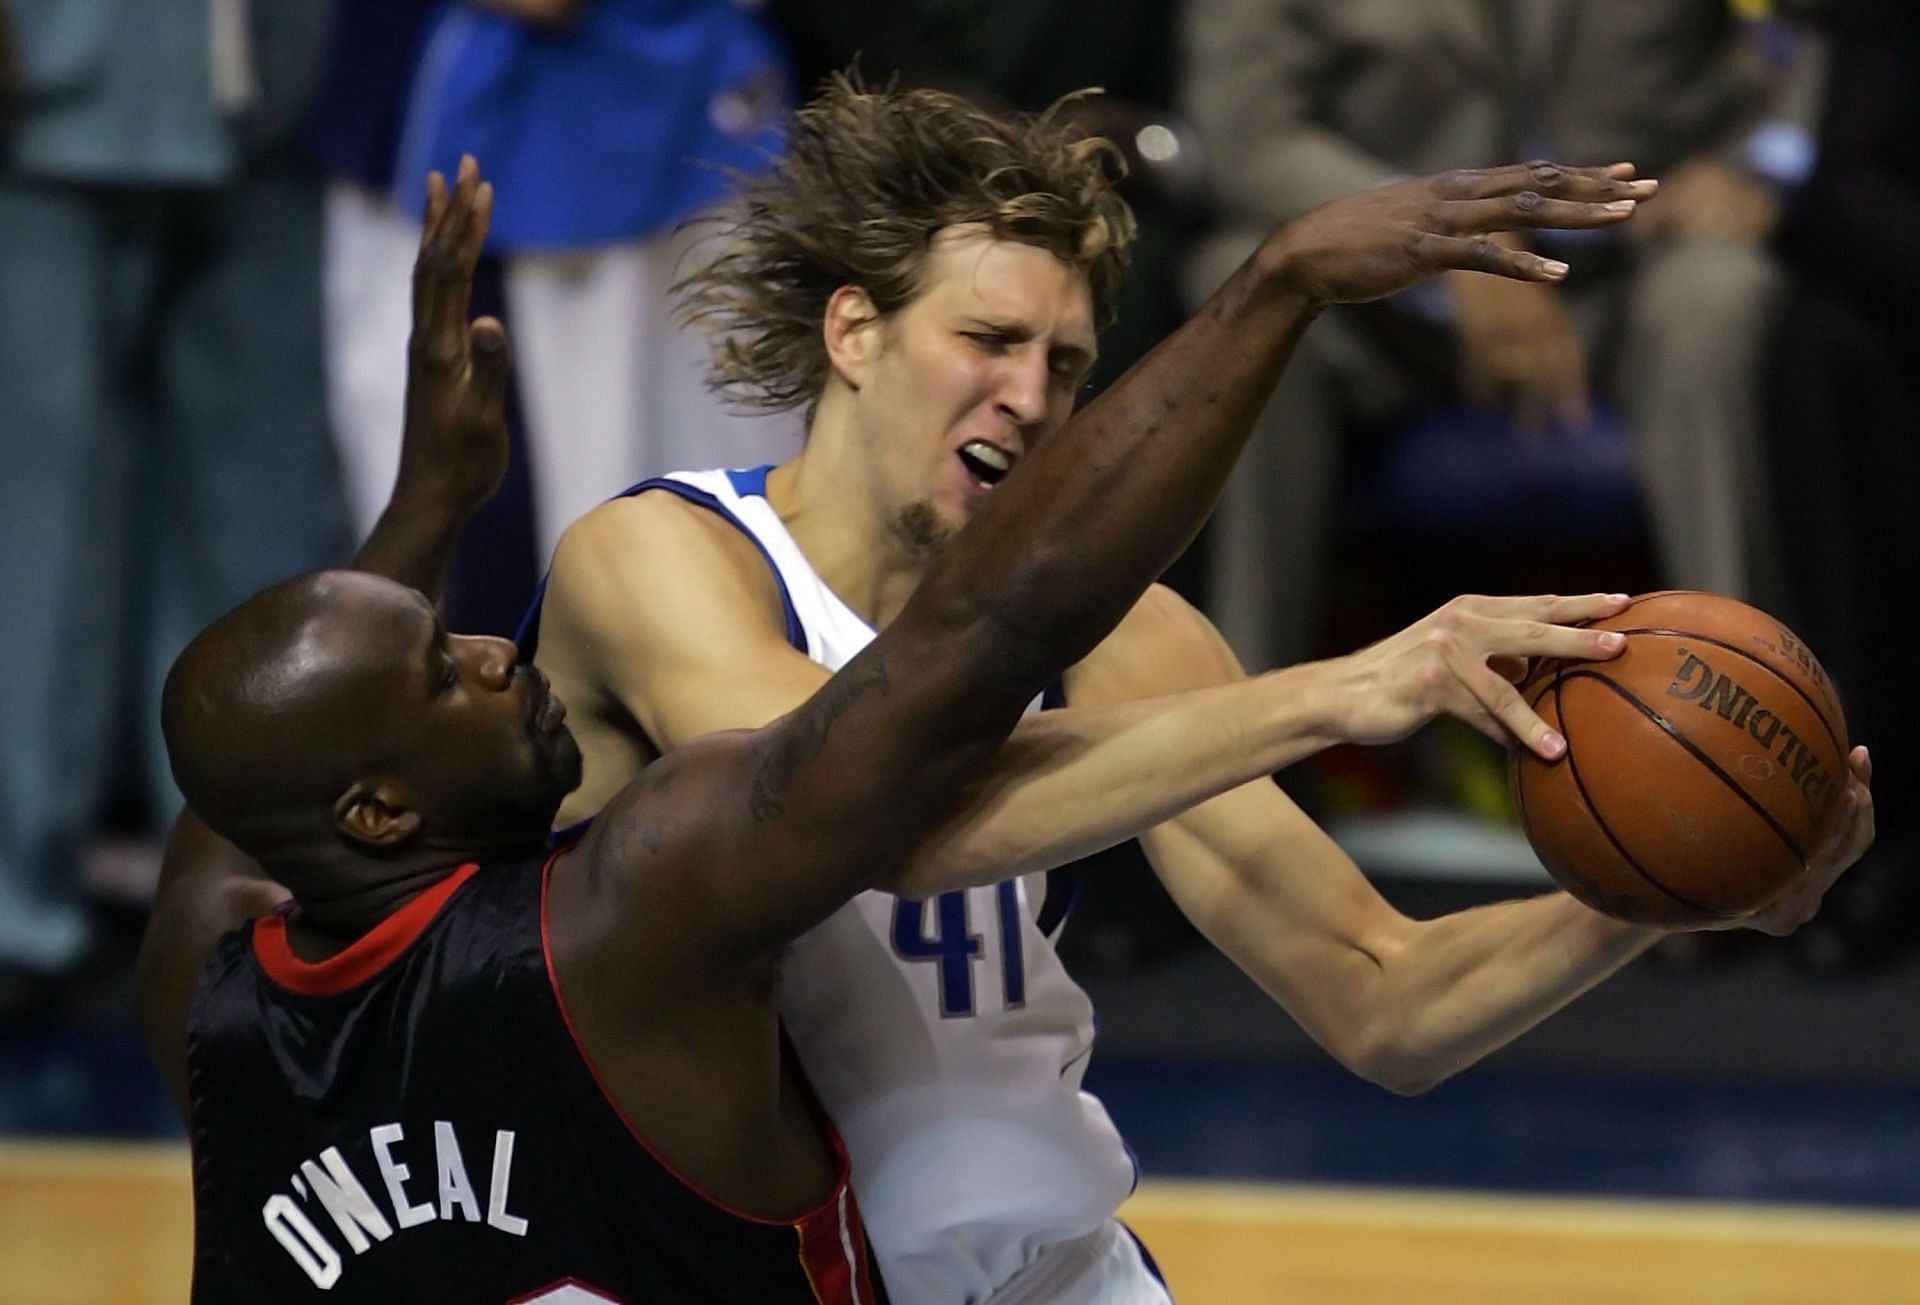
[
  {"x": 492, "y": 659},
  {"x": 1023, "y": 387}
]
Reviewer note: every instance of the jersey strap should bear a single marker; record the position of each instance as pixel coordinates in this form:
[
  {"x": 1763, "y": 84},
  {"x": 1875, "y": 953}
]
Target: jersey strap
[{"x": 749, "y": 482}]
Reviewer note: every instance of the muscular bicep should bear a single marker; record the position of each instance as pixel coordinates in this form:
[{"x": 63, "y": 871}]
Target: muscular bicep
[{"x": 743, "y": 840}]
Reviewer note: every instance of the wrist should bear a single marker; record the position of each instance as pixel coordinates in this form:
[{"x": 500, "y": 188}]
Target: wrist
[
  {"x": 1284, "y": 275},
  {"x": 1309, "y": 704}
]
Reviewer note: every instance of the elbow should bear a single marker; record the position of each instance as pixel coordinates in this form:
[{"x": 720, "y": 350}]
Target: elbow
[
  {"x": 942, "y": 865},
  {"x": 1403, "y": 1078},
  {"x": 1388, "y": 1061}
]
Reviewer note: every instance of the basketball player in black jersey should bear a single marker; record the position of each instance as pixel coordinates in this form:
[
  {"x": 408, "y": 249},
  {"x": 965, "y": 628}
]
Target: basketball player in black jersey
[{"x": 455, "y": 1068}]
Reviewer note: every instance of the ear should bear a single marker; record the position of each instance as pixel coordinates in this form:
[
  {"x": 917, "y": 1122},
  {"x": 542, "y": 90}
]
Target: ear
[
  {"x": 372, "y": 815},
  {"x": 852, "y": 333}
]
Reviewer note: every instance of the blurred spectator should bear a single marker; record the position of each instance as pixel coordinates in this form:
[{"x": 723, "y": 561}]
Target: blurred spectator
[
  {"x": 605, "y": 124},
  {"x": 1844, "y": 403},
  {"x": 1298, "y": 101},
  {"x": 163, "y": 443}
]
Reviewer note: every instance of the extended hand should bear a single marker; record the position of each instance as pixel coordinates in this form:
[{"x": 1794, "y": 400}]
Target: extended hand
[
  {"x": 1381, "y": 241},
  {"x": 1464, "y": 660},
  {"x": 455, "y": 446},
  {"x": 1851, "y": 837}
]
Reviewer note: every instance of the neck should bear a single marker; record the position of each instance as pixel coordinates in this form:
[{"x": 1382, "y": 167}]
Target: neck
[
  {"x": 343, "y": 894},
  {"x": 831, "y": 501}
]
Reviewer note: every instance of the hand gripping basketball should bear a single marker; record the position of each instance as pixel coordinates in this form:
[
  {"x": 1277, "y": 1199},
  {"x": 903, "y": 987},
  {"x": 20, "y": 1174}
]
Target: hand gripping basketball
[
  {"x": 1707, "y": 780},
  {"x": 1463, "y": 661}
]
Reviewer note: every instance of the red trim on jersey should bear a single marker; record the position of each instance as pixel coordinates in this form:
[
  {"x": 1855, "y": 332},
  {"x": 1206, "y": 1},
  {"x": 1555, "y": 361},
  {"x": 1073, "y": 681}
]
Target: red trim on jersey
[
  {"x": 833, "y": 1253},
  {"x": 813, "y": 1227},
  {"x": 361, "y": 959}
]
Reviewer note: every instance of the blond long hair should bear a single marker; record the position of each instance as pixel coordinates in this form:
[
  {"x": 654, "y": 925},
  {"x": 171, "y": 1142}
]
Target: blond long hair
[{"x": 869, "y": 177}]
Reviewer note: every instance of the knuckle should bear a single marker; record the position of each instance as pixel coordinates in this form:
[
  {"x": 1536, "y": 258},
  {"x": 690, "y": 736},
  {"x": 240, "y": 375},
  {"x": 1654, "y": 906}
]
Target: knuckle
[
  {"x": 1528, "y": 201},
  {"x": 1543, "y": 173},
  {"x": 1485, "y": 251},
  {"x": 1458, "y": 182}
]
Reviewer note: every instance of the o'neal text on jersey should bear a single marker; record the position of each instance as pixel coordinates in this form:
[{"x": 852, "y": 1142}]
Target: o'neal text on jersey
[{"x": 329, "y": 1182}]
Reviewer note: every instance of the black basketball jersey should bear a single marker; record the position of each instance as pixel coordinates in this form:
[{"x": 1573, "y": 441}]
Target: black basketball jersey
[{"x": 412, "y": 1121}]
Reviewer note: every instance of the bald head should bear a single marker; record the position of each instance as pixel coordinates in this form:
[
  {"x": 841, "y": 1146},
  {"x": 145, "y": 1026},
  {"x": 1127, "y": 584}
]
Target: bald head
[
  {"x": 273, "y": 711},
  {"x": 334, "y": 709}
]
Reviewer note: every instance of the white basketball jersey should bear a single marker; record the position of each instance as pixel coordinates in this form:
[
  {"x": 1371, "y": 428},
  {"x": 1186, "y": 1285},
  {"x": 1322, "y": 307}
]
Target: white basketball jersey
[{"x": 944, "y": 1038}]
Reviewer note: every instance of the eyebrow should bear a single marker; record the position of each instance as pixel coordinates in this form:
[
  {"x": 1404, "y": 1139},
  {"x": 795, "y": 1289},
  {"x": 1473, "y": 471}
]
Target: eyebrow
[{"x": 1079, "y": 354}]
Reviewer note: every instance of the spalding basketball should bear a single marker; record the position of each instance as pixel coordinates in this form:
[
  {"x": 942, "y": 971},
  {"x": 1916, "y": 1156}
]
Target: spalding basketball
[{"x": 1704, "y": 764}]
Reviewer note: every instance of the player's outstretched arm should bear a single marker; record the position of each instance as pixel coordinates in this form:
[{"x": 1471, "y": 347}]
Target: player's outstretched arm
[
  {"x": 837, "y": 792},
  {"x": 1402, "y": 1002},
  {"x": 453, "y": 453},
  {"x": 1126, "y": 762}
]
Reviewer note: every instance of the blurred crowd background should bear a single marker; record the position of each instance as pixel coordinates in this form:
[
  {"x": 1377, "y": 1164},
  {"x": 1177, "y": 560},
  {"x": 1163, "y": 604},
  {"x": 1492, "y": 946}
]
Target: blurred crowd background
[{"x": 207, "y": 217}]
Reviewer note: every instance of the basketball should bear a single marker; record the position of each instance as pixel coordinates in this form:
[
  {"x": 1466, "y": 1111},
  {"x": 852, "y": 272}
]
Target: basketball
[{"x": 1704, "y": 764}]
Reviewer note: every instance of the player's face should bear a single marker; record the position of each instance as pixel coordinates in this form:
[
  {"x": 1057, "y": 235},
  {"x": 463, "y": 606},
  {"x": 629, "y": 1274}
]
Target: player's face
[
  {"x": 972, "y": 374},
  {"x": 487, "y": 740}
]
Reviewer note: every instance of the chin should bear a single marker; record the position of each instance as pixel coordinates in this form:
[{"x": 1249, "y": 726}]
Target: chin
[
  {"x": 563, "y": 766},
  {"x": 925, "y": 529}
]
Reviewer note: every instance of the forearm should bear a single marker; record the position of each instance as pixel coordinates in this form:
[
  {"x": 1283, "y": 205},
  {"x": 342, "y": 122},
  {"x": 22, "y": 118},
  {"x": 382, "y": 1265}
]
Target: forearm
[
  {"x": 1069, "y": 783},
  {"x": 1462, "y": 986},
  {"x": 413, "y": 541}
]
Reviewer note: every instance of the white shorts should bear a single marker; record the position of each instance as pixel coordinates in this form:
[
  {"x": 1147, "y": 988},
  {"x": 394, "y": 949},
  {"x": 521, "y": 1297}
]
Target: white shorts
[{"x": 1106, "y": 1267}]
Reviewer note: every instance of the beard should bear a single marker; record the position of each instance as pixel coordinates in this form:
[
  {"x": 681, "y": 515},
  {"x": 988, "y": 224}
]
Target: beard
[
  {"x": 557, "y": 765},
  {"x": 922, "y": 529}
]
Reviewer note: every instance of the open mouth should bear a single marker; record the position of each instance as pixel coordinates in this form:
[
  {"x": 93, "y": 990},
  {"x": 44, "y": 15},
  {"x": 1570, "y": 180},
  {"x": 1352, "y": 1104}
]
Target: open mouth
[{"x": 987, "y": 463}]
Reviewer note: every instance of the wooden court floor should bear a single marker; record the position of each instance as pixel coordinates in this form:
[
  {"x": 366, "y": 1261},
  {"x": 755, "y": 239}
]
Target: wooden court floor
[{"x": 92, "y": 1224}]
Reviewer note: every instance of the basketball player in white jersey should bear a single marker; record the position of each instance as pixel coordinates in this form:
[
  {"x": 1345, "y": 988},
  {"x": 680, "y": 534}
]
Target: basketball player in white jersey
[{"x": 927, "y": 280}]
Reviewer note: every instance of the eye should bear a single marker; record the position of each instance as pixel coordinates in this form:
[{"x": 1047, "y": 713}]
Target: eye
[
  {"x": 450, "y": 678},
  {"x": 992, "y": 341}
]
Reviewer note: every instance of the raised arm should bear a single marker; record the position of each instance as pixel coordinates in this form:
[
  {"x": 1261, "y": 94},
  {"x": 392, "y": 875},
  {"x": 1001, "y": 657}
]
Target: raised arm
[
  {"x": 838, "y": 791},
  {"x": 453, "y": 454}
]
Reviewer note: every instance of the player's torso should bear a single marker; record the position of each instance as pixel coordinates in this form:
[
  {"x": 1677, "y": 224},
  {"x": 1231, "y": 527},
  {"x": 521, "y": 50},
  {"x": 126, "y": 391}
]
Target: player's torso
[
  {"x": 412, "y": 1120},
  {"x": 944, "y": 1037}
]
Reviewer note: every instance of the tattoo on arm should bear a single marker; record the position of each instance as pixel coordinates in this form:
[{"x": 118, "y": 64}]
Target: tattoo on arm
[{"x": 804, "y": 736}]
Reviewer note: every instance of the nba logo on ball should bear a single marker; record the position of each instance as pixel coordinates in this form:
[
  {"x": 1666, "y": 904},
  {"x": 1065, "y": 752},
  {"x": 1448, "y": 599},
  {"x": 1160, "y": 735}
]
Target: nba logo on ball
[{"x": 1703, "y": 765}]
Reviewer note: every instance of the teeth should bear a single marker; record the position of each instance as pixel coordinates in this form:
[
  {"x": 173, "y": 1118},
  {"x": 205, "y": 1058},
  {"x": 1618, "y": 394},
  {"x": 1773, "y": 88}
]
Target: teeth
[{"x": 987, "y": 453}]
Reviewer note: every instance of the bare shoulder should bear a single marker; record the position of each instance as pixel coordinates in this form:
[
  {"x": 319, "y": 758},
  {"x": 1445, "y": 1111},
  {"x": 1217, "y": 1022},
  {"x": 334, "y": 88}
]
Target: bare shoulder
[
  {"x": 1163, "y": 645},
  {"x": 656, "y": 545}
]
